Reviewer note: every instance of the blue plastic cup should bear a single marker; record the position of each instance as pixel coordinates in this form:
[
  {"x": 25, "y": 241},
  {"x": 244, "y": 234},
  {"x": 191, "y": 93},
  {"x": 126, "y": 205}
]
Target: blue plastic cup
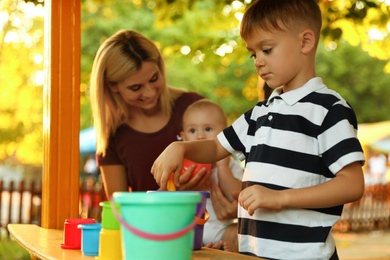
[{"x": 90, "y": 235}]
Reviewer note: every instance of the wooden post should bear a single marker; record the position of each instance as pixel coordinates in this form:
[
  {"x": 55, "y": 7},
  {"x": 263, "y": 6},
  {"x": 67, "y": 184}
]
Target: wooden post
[{"x": 61, "y": 115}]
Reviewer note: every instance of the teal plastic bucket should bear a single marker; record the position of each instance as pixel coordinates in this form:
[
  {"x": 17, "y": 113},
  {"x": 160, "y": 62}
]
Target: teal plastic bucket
[{"x": 157, "y": 225}]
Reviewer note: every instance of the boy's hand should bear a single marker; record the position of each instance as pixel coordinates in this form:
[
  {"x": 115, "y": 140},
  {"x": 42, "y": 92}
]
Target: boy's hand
[
  {"x": 169, "y": 162},
  {"x": 257, "y": 196}
]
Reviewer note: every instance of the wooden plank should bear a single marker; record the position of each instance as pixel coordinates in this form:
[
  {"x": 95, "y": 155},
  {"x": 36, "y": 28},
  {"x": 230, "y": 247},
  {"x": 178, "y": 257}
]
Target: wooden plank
[{"x": 45, "y": 244}]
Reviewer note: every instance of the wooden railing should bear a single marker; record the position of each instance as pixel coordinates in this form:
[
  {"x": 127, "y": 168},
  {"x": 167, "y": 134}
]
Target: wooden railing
[
  {"x": 20, "y": 202},
  {"x": 91, "y": 194},
  {"x": 371, "y": 212}
]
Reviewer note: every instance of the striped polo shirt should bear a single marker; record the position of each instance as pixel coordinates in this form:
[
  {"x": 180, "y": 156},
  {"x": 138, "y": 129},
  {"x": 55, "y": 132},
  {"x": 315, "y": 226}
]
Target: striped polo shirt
[{"x": 297, "y": 139}]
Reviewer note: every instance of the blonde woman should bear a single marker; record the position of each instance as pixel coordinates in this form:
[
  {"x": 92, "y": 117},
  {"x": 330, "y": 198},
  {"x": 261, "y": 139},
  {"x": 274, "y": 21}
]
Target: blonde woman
[{"x": 136, "y": 113}]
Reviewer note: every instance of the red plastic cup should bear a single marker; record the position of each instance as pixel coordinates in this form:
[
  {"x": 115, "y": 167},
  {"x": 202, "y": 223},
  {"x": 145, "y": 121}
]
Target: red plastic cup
[
  {"x": 72, "y": 234},
  {"x": 188, "y": 163}
]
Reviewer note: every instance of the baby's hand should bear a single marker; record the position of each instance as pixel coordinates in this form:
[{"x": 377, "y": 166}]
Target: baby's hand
[{"x": 169, "y": 162}]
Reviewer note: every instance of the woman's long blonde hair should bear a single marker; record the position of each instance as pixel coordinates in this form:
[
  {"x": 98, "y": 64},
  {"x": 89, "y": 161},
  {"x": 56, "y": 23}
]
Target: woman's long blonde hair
[{"x": 118, "y": 57}]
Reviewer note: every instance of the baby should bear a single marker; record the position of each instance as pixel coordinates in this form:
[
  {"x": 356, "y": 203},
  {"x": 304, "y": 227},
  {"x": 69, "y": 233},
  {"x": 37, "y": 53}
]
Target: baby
[{"x": 204, "y": 119}]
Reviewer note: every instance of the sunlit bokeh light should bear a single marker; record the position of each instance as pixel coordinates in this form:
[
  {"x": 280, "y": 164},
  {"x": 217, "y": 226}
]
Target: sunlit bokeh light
[
  {"x": 331, "y": 46},
  {"x": 11, "y": 37},
  {"x": 185, "y": 50},
  {"x": 239, "y": 16},
  {"x": 38, "y": 58},
  {"x": 31, "y": 10},
  {"x": 236, "y": 5},
  {"x": 387, "y": 2},
  {"x": 359, "y": 5},
  {"x": 199, "y": 57},
  {"x": 226, "y": 10},
  {"x": 223, "y": 49},
  {"x": 39, "y": 78},
  {"x": 375, "y": 34}
]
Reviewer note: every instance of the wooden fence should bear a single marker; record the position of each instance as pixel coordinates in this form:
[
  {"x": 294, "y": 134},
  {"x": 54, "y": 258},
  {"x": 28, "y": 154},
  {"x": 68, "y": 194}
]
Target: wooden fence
[
  {"x": 20, "y": 202},
  {"x": 91, "y": 194},
  {"x": 371, "y": 212}
]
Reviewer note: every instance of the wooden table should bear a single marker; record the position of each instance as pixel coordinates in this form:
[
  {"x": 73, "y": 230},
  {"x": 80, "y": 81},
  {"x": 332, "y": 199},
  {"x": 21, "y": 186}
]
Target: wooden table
[{"x": 44, "y": 243}]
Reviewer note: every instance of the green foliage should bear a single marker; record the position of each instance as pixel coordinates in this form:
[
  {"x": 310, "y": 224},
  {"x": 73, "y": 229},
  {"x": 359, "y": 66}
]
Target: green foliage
[
  {"x": 200, "y": 25},
  {"x": 230, "y": 78},
  {"x": 10, "y": 249},
  {"x": 217, "y": 65},
  {"x": 21, "y": 62},
  {"x": 359, "y": 78}
]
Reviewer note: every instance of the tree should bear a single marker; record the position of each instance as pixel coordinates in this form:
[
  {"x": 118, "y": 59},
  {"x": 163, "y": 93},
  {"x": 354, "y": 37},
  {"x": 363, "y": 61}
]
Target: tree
[
  {"x": 203, "y": 51},
  {"x": 363, "y": 23},
  {"x": 359, "y": 78},
  {"x": 21, "y": 70},
  {"x": 216, "y": 63}
]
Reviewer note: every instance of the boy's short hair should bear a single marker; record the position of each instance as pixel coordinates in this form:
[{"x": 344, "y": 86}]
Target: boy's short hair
[{"x": 271, "y": 14}]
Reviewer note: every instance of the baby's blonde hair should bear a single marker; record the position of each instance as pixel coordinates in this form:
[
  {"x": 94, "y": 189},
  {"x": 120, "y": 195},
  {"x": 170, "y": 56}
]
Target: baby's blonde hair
[{"x": 206, "y": 104}]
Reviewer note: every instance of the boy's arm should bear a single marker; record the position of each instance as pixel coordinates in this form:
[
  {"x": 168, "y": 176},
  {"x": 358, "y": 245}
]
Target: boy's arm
[
  {"x": 347, "y": 186},
  {"x": 226, "y": 180},
  {"x": 171, "y": 159}
]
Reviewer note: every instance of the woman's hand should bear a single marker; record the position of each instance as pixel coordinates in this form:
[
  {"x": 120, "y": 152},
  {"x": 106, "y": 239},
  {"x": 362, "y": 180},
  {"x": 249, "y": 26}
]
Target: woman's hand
[
  {"x": 224, "y": 209},
  {"x": 198, "y": 182}
]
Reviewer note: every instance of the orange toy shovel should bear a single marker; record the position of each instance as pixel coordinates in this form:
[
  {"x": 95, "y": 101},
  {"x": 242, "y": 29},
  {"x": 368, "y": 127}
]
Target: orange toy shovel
[{"x": 171, "y": 185}]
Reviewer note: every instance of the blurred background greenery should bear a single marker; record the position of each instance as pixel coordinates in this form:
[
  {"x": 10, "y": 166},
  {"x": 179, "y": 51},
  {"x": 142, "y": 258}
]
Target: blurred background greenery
[
  {"x": 11, "y": 250},
  {"x": 203, "y": 51}
]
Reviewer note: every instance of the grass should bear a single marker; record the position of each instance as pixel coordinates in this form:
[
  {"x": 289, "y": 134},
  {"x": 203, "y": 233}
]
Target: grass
[{"x": 11, "y": 250}]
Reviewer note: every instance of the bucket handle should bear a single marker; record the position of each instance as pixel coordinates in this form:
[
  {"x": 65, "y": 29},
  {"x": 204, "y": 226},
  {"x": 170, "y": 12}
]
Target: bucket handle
[{"x": 159, "y": 237}]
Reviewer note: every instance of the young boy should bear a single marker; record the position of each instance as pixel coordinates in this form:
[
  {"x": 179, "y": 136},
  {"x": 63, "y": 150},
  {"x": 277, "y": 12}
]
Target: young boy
[
  {"x": 303, "y": 159},
  {"x": 203, "y": 120}
]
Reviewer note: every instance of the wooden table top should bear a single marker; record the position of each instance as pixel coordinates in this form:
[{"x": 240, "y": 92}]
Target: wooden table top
[{"x": 45, "y": 244}]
